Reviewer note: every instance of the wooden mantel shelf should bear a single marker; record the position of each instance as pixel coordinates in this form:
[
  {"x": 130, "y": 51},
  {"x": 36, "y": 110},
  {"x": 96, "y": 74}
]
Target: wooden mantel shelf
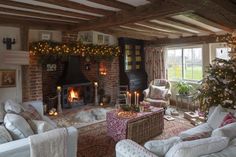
[{"x": 15, "y": 57}]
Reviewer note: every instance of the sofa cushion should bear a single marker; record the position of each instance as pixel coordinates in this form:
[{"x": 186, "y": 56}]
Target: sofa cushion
[
  {"x": 39, "y": 126},
  {"x": 4, "y": 135},
  {"x": 226, "y": 131},
  {"x": 30, "y": 113},
  {"x": 228, "y": 119},
  {"x": 160, "y": 147},
  {"x": 17, "y": 126},
  {"x": 11, "y": 106},
  {"x": 198, "y": 147},
  {"x": 198, "y": 129},
  {"x": 157, "y": 92},
  {"x": 198, "y": 136},
  {"x": 217, "y": 117},
  {"x": 2, "y": 113}
]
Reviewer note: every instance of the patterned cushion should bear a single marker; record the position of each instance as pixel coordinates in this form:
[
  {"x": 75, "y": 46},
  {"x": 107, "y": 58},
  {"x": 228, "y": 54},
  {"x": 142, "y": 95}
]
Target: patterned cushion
[
  {"x": 31, "y": 113},
  {"x": 198, "y": 136},
  {"x": 4, "y": 135},
  {"x": 229, "y": 118},
  {"x": 157, "y": 92},
  {"x": 39, "y": 126}
]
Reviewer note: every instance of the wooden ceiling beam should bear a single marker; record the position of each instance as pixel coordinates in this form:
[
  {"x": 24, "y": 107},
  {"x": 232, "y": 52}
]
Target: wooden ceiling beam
[
  {"x": 208, "y": 22},
  {"x": 46, "y": 9},
  {"x": 123, "y": 33},
  {"x": 150, "y": 30},
  {"x": 185, "y": 40},
  {"x": 144, "y": 12},
  {"x": 34, "y": 22},
  {"x": 166, "y": 27},
  {"x": 114, "y": 4},
  {"x": 141, "y": 32},
  {"x": 39, "y": 15},
  {"x": 211, "y": 10},
  {"x": 77, "y": 6}
]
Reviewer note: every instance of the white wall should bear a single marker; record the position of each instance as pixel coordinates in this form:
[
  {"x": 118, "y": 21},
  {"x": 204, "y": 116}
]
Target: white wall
[
  {"x": 14, "y": 93},
  {"x": 35, "y": 35}
]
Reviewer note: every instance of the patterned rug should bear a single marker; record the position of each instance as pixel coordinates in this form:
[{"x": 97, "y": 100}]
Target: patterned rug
[{"x": 93, "y": 141}]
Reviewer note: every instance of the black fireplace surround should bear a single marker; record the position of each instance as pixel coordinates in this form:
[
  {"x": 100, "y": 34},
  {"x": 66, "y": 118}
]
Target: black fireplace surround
[{"x": 73, "y": 77}]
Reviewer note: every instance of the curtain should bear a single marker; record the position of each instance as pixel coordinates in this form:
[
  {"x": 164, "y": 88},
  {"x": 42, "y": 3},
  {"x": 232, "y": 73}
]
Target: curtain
[{"x": 154, "y": 63}]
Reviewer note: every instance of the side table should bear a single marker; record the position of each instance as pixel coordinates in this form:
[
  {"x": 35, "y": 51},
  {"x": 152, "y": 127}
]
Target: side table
[{"x": 181, "y": 97}]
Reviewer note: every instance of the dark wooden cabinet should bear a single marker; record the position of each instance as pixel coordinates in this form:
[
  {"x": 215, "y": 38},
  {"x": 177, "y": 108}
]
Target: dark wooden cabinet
[{"x": 132, "y": 67}]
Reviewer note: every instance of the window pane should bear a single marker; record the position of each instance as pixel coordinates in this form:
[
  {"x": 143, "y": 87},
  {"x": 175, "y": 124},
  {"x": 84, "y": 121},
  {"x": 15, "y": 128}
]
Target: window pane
[
  {"x": 174, "y": 64},
  {"x": 197, "y": 72},
  {"x": 222, "y": 53}
]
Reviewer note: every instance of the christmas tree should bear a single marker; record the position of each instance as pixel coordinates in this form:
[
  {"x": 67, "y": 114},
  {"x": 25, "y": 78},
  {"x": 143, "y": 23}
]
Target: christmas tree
[{"x": 219, "y": 86}]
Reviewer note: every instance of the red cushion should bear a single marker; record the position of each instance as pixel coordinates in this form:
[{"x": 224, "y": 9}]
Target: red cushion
[{"x": 229, "y": 118}]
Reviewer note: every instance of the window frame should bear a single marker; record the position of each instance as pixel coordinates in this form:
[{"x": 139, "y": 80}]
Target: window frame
[{"x": 182, "y": 61}]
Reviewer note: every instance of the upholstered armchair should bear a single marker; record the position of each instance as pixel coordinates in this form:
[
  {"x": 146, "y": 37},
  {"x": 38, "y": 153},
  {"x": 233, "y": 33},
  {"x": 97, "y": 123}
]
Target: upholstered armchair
[{"x": 158, "y": 93}]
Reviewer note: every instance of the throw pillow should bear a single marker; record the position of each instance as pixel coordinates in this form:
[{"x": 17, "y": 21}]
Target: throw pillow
[
  {"x": 198, "y": 136},
  {"x": 17, "y": 126},
  {"x": 217, "y": 117},
  {"x": 4, "y": 135},
  {"x": 228, "y": 119},
  {"x": 2, "y": 113},
  {"x": 39, "y": 126},
  {"x": 157, "y": 92},
  {"x": 31, "y": 113},
  {"x": 160, "y": 147},
  {"x": 11, "y": 106},
  {"x": 198, "y": 147},
  {"x": 226, "y": 131}
]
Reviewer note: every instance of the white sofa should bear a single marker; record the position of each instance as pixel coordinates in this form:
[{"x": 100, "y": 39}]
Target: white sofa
[
  {"x": 21, "y": 148},
  {"x": 128, "y": 148}
]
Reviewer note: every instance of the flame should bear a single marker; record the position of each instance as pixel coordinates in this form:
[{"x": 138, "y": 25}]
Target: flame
[{"x": 73, "y": 95}]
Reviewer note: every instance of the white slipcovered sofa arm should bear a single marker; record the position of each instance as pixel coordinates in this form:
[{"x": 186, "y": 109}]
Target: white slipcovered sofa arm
[
  {"x": 128, "y": 148},
  {"x": 146, "y": 92}
]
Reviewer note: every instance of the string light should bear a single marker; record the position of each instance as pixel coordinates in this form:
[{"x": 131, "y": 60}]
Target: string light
[{"x": 47, "y": 48}]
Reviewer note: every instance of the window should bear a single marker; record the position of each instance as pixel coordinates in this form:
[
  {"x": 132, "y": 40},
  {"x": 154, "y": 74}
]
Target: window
[
  {"x": 223, "y": 53},
  {"x": 184, "y": 63}
]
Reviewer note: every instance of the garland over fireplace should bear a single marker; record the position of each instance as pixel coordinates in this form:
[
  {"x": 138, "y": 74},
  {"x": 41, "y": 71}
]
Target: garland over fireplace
[{"x": 76, "y": 88}]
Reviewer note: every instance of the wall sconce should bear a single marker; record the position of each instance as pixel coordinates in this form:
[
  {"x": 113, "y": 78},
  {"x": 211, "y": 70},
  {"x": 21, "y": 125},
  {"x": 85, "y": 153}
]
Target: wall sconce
[
  {"x": 9, "y": 42},
  {"x": 102, "y": 69}
]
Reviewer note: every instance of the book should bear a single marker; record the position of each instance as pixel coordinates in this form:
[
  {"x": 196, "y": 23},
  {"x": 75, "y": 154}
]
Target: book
[{"x": 168, "y": 118}]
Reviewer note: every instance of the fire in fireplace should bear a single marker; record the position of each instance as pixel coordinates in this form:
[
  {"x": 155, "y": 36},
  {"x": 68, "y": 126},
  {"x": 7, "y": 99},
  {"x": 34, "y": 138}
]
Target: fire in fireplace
[{"x": 74, "y": 95}]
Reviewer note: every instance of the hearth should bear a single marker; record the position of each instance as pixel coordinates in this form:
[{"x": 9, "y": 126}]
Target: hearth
[{"x": 76, "y": 88}]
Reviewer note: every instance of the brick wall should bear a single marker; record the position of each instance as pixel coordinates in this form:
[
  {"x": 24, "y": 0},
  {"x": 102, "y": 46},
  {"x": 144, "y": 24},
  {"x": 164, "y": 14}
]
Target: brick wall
[
  {"x": 39, "y": 84},
  {"x": 32, "y": 80}
]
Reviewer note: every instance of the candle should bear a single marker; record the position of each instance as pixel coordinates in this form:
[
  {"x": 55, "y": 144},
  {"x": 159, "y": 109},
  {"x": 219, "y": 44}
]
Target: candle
[
  {"x": 126, "y": 99},
  {"x": 59, "y": 99},
  {"x": 135, "y": 98},
  {"x": 96, "y": 93},
  {"x": 58, "y": 88},
  {"x": 129, "y": 98},
  {"x": 55, "y": 114}
]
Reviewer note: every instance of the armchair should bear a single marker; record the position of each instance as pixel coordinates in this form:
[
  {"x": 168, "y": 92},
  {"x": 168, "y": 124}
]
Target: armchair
[{"x": 158, "y": 93}]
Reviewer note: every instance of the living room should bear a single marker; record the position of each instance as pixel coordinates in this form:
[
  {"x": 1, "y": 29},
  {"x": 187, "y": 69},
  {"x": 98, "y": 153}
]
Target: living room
[{"x": 118, "y": 78}]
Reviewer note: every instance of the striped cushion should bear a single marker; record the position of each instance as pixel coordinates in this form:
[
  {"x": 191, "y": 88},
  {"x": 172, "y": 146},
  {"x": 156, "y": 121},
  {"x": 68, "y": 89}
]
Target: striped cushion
[
  {"x": 229, "y": 118},
  {"x": 31, "y": 114}
]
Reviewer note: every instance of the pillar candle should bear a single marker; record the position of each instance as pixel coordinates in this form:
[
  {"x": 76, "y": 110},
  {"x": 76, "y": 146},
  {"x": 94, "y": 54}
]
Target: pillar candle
[
  {"x": 137, "y": 98},
  {"x": 96, "y": 93}
]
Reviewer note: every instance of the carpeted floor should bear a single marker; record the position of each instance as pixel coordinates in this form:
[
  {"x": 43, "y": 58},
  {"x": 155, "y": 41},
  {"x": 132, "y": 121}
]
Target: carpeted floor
[{"x": 93, "y": 141}]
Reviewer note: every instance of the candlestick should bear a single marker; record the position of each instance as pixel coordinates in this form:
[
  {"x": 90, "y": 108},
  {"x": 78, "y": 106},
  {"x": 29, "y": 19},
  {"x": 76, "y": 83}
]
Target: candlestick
[
  {"x": 126, "y": 99},
  {"x": 59, "y": 110},
  {"x": 96, "y": 93},
  {"x": 135, "y": 98},
  {"x": 130, "y": 98}
]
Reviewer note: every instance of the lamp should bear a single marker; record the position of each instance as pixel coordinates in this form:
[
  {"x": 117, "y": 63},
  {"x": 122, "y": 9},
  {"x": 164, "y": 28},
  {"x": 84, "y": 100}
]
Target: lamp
[{"x": 9, "y": 42}]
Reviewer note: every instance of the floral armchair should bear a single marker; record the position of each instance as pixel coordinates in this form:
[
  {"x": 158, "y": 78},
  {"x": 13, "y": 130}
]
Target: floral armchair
[{"x": 158, "y": 93}]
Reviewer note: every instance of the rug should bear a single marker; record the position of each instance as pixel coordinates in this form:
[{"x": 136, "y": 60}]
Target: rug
[{"x": 94, "y": 142}]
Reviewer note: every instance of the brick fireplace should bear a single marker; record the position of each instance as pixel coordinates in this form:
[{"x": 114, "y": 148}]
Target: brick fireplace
[{"x": 40, "y": 84}]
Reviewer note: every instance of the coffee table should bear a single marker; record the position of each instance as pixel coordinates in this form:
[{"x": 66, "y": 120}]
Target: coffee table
[{"x": 140, "y": 127}]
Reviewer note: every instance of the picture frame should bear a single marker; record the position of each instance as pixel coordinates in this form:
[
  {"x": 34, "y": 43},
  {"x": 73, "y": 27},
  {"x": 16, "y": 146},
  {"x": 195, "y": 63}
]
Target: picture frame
[
  {"x": 45, "y": 35},
  {"x": 106, "y": 39},
  {"x": 100, "y": 39},
  {"x": 7, "y": 78},
  {"x": 51, "y": 67},
  {"x": 85, "y": 37}
]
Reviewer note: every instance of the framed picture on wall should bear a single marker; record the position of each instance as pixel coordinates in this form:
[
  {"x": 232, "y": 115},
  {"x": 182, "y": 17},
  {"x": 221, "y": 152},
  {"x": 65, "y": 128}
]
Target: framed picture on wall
[
  {"x": 45, "y": 35},
  {"x": 7, "y": 78}
]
